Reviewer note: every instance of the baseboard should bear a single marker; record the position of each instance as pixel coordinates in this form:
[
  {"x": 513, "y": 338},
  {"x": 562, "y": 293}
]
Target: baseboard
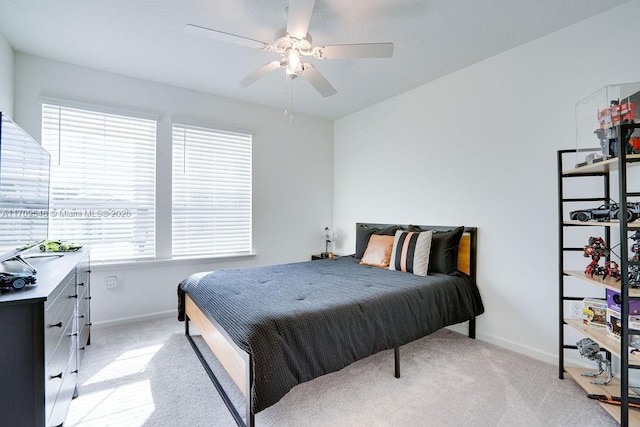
[
  {"x": 535, "y": 353},
  {"x": 519, "y": 348},
  {"x": 135, "y": 319}
]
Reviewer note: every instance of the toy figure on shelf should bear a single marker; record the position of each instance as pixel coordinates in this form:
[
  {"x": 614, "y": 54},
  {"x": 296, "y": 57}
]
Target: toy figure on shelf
[
  {"x": 634, "y": 276},
  {"x": 591, "y": 350},
  {"x": 616, "y": 114},
  {"x": 596, "y": 249},
  {"x": 612, "y": 270},
  {"x": 634, "y": 269},
  {"x": 635, "y": 248}
]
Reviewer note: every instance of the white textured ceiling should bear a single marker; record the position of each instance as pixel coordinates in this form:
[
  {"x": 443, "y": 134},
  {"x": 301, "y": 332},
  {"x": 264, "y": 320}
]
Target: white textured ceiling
[{"x": 146, "y": 39}]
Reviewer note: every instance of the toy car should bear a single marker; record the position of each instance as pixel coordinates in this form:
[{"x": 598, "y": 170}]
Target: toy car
[
  {"x": 605, "y": 212},
  {"x": 58, "y": 246},
  {"x": 15, "y": 281}
]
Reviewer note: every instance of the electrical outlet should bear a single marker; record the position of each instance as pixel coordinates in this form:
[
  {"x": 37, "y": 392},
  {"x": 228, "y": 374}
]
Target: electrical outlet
[
  {"x": 111, "y": 282},
  {"x": 576, "y": 309}
]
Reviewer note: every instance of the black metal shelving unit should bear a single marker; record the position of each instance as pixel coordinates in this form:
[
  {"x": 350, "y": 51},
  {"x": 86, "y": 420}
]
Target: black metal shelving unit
[{"x": 608, "y": 170}]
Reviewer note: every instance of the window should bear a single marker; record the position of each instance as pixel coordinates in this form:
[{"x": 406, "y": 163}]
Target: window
[
  {"x": 102, "y": 181},
  {"x": 211, "y": 192}
]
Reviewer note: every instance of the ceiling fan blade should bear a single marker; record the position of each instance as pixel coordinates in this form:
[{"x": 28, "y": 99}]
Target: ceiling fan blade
[
  {"x": 317, "y": 80},
  {"x": 298, "y": 17},
  {"x": 221, "y": 36},
  {"x": 259, "y": 73},
  {"x": 362, "y": 50}
]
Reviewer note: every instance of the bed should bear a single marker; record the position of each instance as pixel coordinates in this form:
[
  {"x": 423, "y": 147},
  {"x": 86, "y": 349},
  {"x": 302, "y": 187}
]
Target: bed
[{"x": 274, "y": 327}]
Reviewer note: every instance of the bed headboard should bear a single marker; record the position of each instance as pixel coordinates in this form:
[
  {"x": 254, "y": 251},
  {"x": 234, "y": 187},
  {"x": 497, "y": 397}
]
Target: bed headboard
[{"x": 466, "y": 249}]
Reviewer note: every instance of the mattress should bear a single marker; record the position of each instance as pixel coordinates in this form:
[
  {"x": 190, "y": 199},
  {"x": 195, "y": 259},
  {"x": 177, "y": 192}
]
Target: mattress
[{"x": 303, "y": 320}]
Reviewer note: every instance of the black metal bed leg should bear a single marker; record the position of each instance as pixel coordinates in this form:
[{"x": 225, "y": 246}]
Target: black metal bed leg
[
  {"x": 250, "y": 417},
  {"x": 223, "y": 395},
  {"x": 396, "y": 360},
  {"x": 472, "y": 328}
]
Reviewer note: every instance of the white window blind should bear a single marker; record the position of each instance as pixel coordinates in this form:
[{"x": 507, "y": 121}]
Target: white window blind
[
  {"x": 102, "y": 181},
  {"x": 211, "y": 192}
]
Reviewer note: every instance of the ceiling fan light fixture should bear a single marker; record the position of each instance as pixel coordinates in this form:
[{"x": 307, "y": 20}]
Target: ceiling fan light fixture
[{"x": 292, "y": 59}]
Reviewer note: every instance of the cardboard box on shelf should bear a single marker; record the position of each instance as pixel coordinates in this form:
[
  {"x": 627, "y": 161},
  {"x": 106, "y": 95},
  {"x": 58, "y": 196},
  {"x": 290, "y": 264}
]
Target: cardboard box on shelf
[
  {"x": 614, "y": 300},
  {"x": 594, "y": 312},
  {"x": 614, "y": 326}
]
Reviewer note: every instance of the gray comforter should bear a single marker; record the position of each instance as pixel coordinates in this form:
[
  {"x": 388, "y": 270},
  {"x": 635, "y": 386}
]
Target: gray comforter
[{"x": 300, "y": 321}]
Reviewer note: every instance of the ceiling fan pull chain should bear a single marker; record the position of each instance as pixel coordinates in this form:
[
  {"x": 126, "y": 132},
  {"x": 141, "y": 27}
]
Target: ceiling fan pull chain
[
  {"x": 286, "y": 96},
  {"x": 291, "y": 103}
]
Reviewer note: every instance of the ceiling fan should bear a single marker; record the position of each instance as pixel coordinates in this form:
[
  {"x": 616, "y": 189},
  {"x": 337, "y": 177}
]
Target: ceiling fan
[{"x": 292, "y": 44}]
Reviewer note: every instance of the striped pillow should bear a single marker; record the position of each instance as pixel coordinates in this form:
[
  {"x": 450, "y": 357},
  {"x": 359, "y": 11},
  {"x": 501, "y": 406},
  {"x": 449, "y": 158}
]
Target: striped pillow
[{"x": 410, "y": 252}]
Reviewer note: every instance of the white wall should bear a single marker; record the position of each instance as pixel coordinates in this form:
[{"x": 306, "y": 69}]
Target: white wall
[
  {"x": 6, "y": 77},
  {"x": 292, "y": 174},
  {"x": 478, "y": 147}
]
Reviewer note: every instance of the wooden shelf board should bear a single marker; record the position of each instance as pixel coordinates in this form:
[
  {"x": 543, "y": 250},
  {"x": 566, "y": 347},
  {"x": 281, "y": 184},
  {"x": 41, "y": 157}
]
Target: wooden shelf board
[
  {"x": 604, "y": 166},
  {"x": 600, "y": 336},
  {"x": 608, "y": 283},
  {"x": 634, "y": 224},
  {"x": 612, "y": 389}
]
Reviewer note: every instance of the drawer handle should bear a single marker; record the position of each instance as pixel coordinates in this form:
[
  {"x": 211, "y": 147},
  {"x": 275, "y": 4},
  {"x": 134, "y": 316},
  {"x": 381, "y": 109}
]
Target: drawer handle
[
  {"x": 74, "y": 296},
  {"x": 74, "y": 372},
  {"x": 56, "y": 325},
  {"x": 74, "y": 334},
  {"x": 89, "y": 324},
  {"x": 82, "y": 348},
  {"x": 56, "y": 376},
  {"x": 88, "y": 298},
  {"x": 81, "y": 284},
  {"x": 82, "y": 316}
]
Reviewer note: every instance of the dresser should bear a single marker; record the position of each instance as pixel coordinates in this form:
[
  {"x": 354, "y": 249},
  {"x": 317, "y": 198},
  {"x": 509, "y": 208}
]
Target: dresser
[{"x": 44, "y": 331}]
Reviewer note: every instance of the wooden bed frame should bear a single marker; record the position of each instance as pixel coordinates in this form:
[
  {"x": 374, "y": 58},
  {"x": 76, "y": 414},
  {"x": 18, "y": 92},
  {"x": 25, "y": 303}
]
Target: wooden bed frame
[{"x": 238, "y": 364}]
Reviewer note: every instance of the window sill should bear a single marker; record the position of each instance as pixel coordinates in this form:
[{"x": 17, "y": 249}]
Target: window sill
[{"x": 110, "y": 265}]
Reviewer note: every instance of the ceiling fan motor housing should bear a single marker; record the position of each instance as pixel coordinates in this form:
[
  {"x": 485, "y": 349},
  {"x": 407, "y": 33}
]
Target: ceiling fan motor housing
[{"x": 284, "y": 41}]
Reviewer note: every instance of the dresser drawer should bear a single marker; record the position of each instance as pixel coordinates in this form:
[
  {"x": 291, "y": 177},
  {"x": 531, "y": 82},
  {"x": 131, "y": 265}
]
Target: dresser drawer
[
  {"x": 83, "y": 289},
  {"x": 83, "y": 328},
  {"x": 58, "y": 316},
  {"x": 84, "y": 316},
  {"x": 60, "y": 289},
  {"x": 57, "y": 366},
  {"x": 83, "y": 341},
  {"x": 84, "y": 321},
  {"x": 65, "y": 393},
  {"x": 83, "y": 275}
]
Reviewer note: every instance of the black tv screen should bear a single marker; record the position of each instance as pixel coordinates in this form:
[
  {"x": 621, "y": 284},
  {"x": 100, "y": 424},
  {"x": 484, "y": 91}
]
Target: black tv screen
[{"x": 24, "y": 190}]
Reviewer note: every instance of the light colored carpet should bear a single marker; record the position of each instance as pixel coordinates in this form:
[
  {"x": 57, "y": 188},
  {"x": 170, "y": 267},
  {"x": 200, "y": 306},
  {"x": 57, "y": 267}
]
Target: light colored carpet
[{"x": 146, "y": 374}]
